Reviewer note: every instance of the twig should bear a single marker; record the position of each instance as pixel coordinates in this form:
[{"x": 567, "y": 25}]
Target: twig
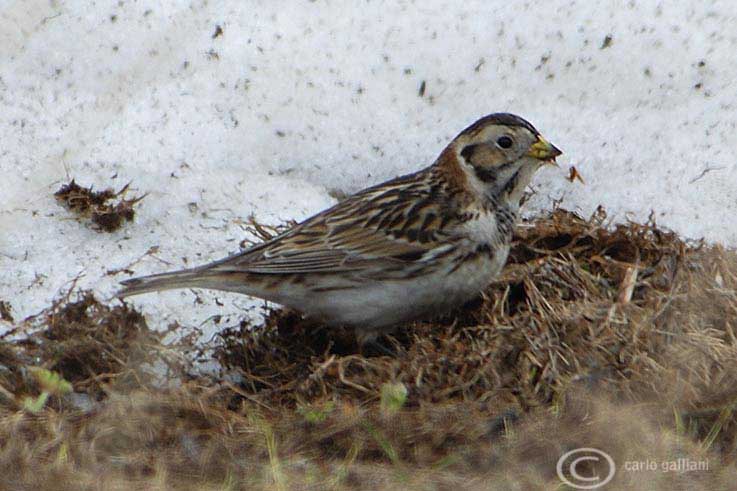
[
  {"x": 628, "y": 284},
  {"x": 341, "y": 376},
  {"x": 703, "y": 173}
]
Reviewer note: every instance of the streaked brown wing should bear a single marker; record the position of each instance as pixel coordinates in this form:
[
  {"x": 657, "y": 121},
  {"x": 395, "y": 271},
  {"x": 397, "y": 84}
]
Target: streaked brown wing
[{"x": 388, "y": 225}]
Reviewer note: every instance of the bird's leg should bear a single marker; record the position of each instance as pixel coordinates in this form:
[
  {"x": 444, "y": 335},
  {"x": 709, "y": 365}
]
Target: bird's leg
[
  {"x": 376, "y": 347},
  {"x": 369, "y": 342}
]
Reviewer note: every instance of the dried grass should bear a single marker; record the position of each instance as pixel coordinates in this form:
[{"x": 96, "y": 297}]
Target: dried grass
[
  {"x": 619, "y": 338},
  {"x": 100, "y": 207}
]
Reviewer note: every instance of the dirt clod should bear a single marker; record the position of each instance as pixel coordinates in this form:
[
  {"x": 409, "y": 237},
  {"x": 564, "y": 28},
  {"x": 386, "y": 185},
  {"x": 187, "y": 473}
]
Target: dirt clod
[{"x": 5, "y": 311}]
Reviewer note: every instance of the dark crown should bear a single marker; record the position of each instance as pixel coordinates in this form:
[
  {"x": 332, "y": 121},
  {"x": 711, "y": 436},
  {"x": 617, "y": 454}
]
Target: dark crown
[{"x": 506, "y": 119}]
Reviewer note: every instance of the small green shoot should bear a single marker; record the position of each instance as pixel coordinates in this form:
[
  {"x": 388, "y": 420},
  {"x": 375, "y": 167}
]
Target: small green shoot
[
  {"x": 51, "y": 383},
  {"x": 393, "y": 397},
  {"x": 716, "y": 428},
  {"x": 315, "y": 414}
]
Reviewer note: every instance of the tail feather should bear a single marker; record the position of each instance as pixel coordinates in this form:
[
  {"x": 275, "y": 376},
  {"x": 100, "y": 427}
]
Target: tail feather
[{"x": 186, "y": 278}]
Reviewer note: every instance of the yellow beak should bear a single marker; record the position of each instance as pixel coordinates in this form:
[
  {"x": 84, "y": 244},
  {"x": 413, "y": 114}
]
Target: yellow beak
[{"x": 543, "y": 150}]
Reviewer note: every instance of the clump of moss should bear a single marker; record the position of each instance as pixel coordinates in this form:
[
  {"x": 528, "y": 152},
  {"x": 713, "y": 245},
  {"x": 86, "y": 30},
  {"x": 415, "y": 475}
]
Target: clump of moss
[
  {"x": 566, "y": 305},
  {"x": 106, "y": 209},
  {"x": 92, "y": 345}
]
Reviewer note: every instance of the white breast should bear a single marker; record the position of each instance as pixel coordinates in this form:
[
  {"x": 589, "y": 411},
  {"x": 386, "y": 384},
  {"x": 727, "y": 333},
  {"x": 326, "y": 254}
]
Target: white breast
[{"x": 484, "y": 229}]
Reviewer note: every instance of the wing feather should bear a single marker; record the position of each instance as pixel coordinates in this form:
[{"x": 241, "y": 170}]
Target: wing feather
[{"x": 381, "y": 227}]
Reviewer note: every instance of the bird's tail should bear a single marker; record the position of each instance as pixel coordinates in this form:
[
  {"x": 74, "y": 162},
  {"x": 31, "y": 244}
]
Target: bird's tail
[{"x": 185, "y": 278}]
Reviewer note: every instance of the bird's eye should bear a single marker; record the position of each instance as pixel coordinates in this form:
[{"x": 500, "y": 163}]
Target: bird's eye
[{"x": 504, "y": 142}]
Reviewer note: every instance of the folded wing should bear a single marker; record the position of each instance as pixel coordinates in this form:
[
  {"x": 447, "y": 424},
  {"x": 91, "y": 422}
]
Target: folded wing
[{"x": 389, "y": 226}]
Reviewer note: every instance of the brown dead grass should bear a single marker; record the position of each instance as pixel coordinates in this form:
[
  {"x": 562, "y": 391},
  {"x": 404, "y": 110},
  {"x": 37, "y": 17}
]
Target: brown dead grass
[
  {"x": 619, "y": 338},
  {"x": 107, "y": 210}
]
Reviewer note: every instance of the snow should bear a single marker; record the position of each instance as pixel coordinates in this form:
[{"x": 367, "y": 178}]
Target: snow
[{"x": 296, "y": 100}]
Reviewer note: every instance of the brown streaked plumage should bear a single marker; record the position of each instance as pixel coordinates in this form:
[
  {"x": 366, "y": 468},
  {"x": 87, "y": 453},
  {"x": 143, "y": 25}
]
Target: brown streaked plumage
[{"x": 416, "y": 245}]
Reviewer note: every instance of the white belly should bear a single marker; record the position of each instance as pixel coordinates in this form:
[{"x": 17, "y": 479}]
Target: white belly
[{"x": 375, "y": 305}]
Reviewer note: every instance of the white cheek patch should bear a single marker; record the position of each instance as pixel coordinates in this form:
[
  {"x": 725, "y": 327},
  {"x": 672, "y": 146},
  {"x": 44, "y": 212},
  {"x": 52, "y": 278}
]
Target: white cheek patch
[{"x": 479, "y": 187}]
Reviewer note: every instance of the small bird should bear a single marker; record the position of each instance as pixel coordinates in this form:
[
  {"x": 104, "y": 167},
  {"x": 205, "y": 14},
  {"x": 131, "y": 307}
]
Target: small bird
[{"x": 414, "y": 246}]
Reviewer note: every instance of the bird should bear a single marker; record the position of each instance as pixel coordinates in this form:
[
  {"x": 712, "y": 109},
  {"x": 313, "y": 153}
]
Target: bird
[{"x": 412, "y": 247}]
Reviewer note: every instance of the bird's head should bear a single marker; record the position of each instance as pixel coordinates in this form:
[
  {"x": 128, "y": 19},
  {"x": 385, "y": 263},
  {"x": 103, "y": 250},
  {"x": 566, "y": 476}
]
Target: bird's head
[{"x": 498, "y": 155}]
